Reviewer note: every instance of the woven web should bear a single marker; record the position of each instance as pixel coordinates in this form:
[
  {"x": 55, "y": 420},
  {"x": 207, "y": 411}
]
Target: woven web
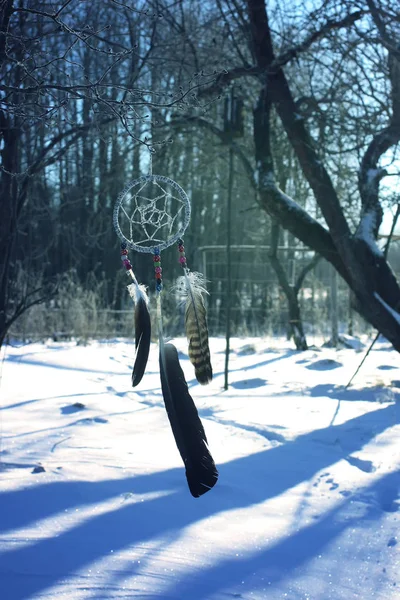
[{"x": 152, "y": 212}]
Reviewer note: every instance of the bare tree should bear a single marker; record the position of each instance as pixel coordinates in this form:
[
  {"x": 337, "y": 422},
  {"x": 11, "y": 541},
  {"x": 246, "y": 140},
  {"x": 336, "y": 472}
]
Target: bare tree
[
  {"x": 68, "y": 72},
  {"x": 347, "y": 46},
  {"x": 355, "y": 255}
]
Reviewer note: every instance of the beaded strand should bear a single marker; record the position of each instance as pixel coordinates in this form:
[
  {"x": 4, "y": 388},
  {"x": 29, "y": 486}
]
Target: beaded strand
[
  {"x": 182, "y": 257},
  {"x": 124, "y": 257},
  {"x": 157, "y": 269}
]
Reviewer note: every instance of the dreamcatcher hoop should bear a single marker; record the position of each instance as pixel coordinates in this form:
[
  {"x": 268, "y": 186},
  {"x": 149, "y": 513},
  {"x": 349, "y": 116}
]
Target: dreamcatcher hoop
[{"x": 150, "y": 214}]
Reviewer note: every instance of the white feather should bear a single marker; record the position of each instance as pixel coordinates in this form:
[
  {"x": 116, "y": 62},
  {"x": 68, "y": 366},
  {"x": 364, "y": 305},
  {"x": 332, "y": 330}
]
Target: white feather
[
  {"x": 190, "y": 283},
  {"x": 138, "y": 291}
]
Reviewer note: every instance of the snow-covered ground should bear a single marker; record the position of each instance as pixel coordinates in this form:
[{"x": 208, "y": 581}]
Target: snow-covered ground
[{"x": 93, "y": 497}]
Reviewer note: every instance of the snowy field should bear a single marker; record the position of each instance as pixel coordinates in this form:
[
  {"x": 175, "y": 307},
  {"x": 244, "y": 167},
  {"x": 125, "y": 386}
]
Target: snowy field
[{"x": 94, "y": 502}]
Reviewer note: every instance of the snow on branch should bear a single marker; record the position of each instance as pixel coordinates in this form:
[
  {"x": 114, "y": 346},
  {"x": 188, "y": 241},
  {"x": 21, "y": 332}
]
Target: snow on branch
[
  {"x": 393, "y": 312},
  {"x": 367, "y": 229},
  {"x": 266, "y": 183}
]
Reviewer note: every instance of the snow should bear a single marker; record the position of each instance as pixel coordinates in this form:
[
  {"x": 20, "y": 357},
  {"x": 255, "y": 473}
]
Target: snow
[
  {"x": 366, "y": 228},
  {"x": 268, "y": 183},
  {"x": 394, "y": 313},
  {"x": 307, "y": 502}
]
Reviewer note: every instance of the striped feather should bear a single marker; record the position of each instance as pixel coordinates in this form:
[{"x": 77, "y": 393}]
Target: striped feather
[
  {"x": 193, "y": 287},
  {"x": 142, "y": 331}
]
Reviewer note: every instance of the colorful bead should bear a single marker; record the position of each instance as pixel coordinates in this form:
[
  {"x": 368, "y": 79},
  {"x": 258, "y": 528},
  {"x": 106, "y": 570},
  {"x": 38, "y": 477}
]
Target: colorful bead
[
  {"x": 127, "y": 264},
  {"x": 124, "y": 252},
  {"x": 182, "y": 257},
  {"x": 123, "y": 245},
  {"x": 157, "y": 269}
]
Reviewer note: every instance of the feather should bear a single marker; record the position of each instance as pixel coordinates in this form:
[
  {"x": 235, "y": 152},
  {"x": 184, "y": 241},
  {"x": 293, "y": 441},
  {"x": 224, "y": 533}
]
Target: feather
[
  {"x": 142, "y": 331},
  {"x": 192, "y": 286},
  {"x": 190, "y": 438}
]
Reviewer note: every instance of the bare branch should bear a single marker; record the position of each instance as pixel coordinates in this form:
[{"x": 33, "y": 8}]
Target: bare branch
[
  {"x": 386, "y": 40},
  {"x": 219, "y": 133},
  {"x": 313, "y": 37},
  {"x": 305, "y": 271}
]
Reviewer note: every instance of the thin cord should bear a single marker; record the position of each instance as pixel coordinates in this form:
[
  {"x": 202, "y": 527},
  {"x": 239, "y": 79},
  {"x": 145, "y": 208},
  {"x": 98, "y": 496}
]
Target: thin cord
[
  {"x": 363, "y": 360},
  {"x": 3, "y": 350},
  {"x": 159, "y": 317},
  {"x": 159, "y": 287}
]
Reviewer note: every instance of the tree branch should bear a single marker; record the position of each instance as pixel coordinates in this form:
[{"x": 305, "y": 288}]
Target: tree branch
[
  {"x": 219, "y": 133},
  {"x": 314, "y": 171},
  {"x": 305, "y": 271},
  {"x": 330, "y": 25},
  {"x": 389, "y": 44},
  {"x": 225, "y": 78},
  {"x": 6, "y": 10},
  {"x": 370, "y": 175}
]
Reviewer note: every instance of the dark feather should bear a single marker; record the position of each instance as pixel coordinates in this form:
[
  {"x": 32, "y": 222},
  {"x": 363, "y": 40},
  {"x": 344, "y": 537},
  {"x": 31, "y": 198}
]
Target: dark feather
[
  {"x": 142, "y": 332},
  {"x": 190, "y": 438},
  {"x": 196, "y": 326}
]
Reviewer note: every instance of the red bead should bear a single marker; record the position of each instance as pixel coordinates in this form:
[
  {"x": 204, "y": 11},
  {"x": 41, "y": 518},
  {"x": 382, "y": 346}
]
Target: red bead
[
  {"x": 124, "y": 252},
  {"x": 181, "y": 248},
  {"x": 157, "y": 258}
]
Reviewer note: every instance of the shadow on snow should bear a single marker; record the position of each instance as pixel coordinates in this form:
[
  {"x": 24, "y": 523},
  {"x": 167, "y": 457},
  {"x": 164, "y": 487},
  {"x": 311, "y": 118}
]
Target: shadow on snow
[{"x": 243, "y": 482}]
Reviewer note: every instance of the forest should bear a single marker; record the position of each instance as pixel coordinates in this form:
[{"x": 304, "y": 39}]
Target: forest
[{"x": 280, "y": 120}]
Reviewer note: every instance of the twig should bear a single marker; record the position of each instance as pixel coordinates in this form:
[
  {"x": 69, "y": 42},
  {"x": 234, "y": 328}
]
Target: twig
[
  {"x": 394, "y": 223},
  {"x": 363, "y": 360}
]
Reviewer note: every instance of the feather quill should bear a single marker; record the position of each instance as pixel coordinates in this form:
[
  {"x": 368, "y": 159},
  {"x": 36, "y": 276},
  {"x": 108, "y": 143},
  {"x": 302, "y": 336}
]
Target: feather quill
[
  {"x": 192, "y": 287},
  {"x": 190, "y": 438},
  {"x": 142, "y": 330}
]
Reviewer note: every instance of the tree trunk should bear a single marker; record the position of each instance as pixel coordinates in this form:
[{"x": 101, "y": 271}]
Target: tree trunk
[
  {"x": 355, "y": 257},
  {"x": 295, "y": 325}
]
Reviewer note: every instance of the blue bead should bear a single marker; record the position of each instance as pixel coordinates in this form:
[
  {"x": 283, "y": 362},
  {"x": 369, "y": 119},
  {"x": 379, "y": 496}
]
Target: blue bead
[{"x": 159, "y": 287}]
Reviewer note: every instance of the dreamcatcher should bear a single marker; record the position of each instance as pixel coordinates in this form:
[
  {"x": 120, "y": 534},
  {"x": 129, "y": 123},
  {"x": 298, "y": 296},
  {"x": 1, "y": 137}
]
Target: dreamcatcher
[{"x": 151, "y": 214}]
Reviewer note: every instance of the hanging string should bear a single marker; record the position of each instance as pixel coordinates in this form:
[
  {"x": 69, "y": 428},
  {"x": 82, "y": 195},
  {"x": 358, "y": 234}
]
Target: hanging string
[
  {"x": 157, "y": 269},
  {"x": 151, "y": 161},
  {"x": 126, "y": 262},
  {"x": 159, "y": 286},
  {"x": 182, "y": 257}
]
